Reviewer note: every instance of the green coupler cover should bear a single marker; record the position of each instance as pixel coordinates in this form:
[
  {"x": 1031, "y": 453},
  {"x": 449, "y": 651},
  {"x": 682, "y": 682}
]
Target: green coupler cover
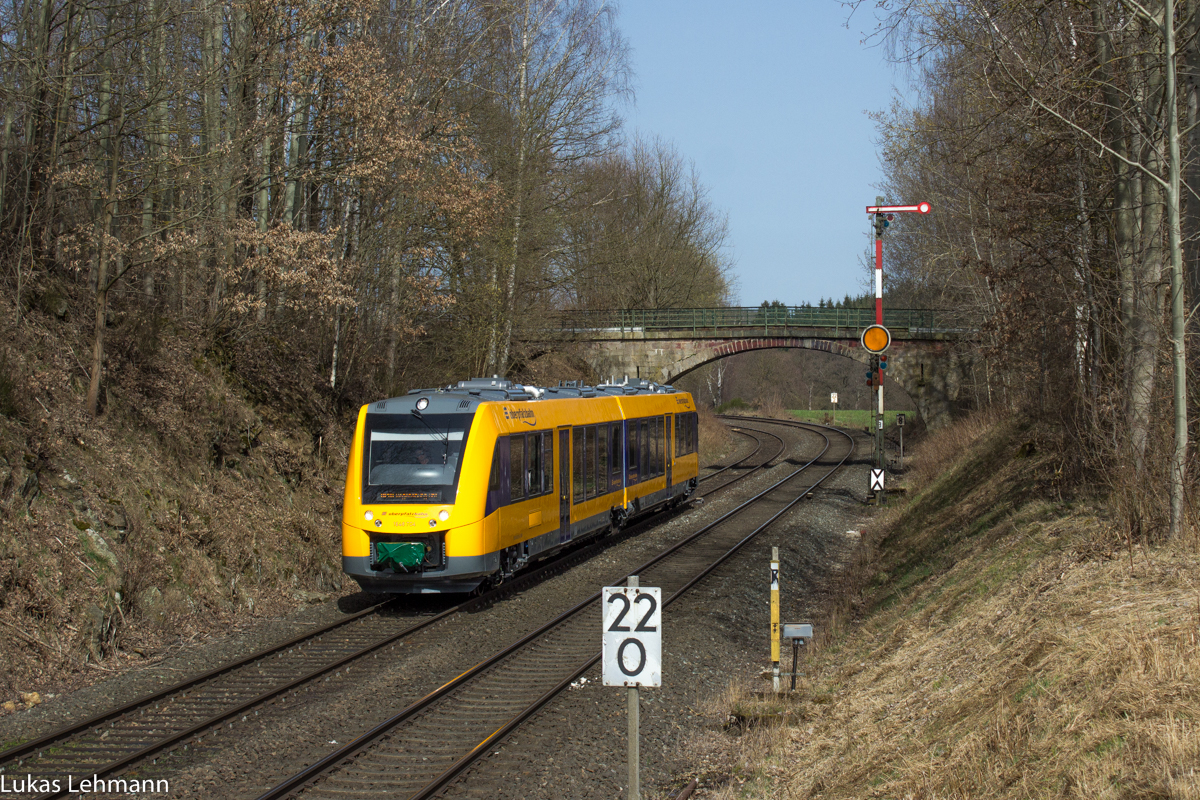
[{"x": 399, "y": 554}]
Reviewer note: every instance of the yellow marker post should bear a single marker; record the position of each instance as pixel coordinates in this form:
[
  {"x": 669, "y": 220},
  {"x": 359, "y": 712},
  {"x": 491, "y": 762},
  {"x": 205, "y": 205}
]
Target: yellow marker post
[{"x": 775, "y": 618}]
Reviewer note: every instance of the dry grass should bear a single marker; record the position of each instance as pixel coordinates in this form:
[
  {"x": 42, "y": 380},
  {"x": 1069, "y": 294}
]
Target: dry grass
[
  {"x": 715, "y": 439},
  {"x": 938, "y": 453},
  {"x": 770, "y": 405},
  {"x": 1011, "y": 650}
]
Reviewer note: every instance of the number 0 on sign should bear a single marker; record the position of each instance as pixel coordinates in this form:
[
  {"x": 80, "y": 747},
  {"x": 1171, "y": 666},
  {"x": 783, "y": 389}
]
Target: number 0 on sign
[{"x": 632, "y": 642}]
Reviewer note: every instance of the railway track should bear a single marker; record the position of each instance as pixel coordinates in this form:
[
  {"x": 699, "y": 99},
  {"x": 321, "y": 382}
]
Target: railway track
[
  {"x": 117, "y": 740},
  {"x": 756, "y": 459},
  {"x": 431, "y": 743}
]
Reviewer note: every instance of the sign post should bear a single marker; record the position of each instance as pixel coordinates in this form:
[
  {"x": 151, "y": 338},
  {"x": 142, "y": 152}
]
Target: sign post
[
  {"x": 798, "y": 633},
  {"x": 775, "y": 618},
  {"x": 876, "y": 339},
  {"x": 632, "y": 654},
  {"x": 900, "y": 425},
  {"x": 883, "y": 217},
  {"x": 833, "y": 399}
]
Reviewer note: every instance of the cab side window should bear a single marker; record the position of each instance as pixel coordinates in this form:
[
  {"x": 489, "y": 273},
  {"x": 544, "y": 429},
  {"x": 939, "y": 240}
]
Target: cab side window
[{"x": 497, "y": 494}]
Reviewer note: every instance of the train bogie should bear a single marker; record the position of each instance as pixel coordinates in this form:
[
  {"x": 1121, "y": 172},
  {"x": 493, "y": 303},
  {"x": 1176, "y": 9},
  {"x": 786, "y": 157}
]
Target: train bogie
[{"x": 452, "y": 488}]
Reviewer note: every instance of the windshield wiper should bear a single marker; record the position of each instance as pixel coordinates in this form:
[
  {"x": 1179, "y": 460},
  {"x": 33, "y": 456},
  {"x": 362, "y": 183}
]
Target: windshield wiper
[{"x": 445, "y": 437}]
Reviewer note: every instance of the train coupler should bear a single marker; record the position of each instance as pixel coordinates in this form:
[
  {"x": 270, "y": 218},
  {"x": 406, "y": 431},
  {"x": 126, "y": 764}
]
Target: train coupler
[{"x": 399, "y": 555}]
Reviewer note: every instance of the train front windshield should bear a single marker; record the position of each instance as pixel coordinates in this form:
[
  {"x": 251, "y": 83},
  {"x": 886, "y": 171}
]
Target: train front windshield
[{"x": 411, "y": 459}]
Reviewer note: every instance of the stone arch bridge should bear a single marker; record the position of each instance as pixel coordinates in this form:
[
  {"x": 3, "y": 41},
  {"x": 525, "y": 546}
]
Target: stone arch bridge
[{"x": 664, "y": 344}]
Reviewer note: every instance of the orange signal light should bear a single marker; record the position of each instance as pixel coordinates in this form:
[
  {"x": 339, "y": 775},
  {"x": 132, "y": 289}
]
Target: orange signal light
[{"x": 876, "y": 339}]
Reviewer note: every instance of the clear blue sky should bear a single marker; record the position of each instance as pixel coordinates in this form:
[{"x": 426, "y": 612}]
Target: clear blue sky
[{"x": 769, "y": 99}]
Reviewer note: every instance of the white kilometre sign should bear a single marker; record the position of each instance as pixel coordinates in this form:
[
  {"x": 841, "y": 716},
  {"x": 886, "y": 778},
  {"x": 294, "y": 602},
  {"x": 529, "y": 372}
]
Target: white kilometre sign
[
  {"x": 876, "y": 483},
  {"x": 833, "y": 397},
  {"x": 632, "y": 643}
]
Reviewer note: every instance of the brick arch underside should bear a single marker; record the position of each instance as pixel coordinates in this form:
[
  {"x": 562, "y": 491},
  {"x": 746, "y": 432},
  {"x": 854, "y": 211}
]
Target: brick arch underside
[
  {"x": 933, "y": 390},
  {"x": 709, "y": 352}
]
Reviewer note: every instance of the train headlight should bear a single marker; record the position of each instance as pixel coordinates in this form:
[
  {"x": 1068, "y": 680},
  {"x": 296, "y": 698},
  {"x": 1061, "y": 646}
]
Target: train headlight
[
  {"x": 368, "y": 516},
  {"x": 432, "y": 523},
  {"x": 443, "y": 515},
  {"x": 423, "y": 404}
]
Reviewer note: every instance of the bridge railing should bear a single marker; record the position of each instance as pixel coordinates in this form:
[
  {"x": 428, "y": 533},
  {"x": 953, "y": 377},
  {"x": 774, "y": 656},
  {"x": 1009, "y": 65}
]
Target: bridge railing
[{"x": 698, "y": 319}]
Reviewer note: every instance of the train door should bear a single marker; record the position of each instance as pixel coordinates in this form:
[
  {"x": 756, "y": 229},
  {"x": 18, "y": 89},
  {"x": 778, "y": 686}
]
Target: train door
[
  {"x": 564, "y": 484},
  {"x": 668, "y": 449}
]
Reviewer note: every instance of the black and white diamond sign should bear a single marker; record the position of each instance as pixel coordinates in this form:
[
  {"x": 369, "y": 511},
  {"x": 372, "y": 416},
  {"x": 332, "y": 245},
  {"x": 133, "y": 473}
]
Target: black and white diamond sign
[{"x": 876, "y": 480}]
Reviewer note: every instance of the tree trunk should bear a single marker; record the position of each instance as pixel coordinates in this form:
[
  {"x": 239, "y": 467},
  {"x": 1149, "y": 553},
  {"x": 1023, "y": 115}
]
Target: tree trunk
[
  {"x": 262, "y": 197},
  {"x": 1189, "y": 200},
  {"x": 217, "y": 188},
  {"x": 103, "y": 256},
  {"x": 153, "y": 64},
  {"x": 337, "y": 314},
  {"x": 498, "y": 357},
  {"x": 1178, "y": 475}
]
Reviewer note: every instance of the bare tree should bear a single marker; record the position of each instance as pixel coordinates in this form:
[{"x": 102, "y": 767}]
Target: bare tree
[{"x": 1089, "y": 91}]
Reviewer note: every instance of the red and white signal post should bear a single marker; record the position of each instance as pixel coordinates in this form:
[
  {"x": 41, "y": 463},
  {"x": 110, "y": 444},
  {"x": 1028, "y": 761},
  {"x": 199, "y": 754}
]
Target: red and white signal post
[{"x": 876, "y": 338}]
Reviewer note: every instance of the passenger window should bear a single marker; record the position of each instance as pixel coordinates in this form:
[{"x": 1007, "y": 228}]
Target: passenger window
[
  {"x": 631, "y": 450},
  {"x": 644, "y": 448},
  {"x": 516, "y": 469},
  {"x": 534, "y": 476},
  {"x": 665, "y": 422},
  {"x": 590, "y": 461},
  {"x": 672, "y": 434},
  {"x": 656, "y": 448},
  {"x": 614, "y": 454},
  {"x": 602, "y": 460},
  {"x": 577, "y": 462}
]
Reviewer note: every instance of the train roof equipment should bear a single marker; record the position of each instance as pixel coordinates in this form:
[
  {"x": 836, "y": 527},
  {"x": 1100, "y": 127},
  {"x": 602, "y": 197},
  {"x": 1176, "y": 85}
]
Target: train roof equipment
[{"x": 466, "y": 395}]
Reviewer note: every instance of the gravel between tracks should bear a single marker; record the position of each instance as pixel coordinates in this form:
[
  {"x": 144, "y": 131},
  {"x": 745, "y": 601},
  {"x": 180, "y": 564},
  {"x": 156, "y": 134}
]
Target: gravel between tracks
[{"x": 714, "y": 636}]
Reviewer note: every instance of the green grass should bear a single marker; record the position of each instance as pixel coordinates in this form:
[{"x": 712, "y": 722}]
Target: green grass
[{"x": 853, "y": 417}]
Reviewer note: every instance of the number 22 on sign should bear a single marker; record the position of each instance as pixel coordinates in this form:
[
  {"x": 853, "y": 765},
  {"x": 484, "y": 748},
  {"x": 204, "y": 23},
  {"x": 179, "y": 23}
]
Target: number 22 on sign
[{"x": 632, "y": 640}]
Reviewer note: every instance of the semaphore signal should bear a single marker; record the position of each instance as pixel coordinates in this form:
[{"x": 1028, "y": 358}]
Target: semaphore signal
[
  {"x": 920, "y": 208},
  {"x": 876, "y": 338}
]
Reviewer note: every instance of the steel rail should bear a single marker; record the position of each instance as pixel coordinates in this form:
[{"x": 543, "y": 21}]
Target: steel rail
[
  {"x": 350, "y": 749},
  {"x": 458, "y": 767},
  {"x": 16, "y": 756},
  {"x": 196, "y": 731},
  {"x": 761, "y": 465},
  {"x": 462, "y": 764},
  {"x": 718, "y": 470},
  {"x": 20, "y": 751}
]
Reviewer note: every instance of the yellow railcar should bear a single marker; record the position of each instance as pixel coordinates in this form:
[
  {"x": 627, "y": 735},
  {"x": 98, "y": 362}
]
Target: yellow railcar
[{"x": 448, "y": 489}]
